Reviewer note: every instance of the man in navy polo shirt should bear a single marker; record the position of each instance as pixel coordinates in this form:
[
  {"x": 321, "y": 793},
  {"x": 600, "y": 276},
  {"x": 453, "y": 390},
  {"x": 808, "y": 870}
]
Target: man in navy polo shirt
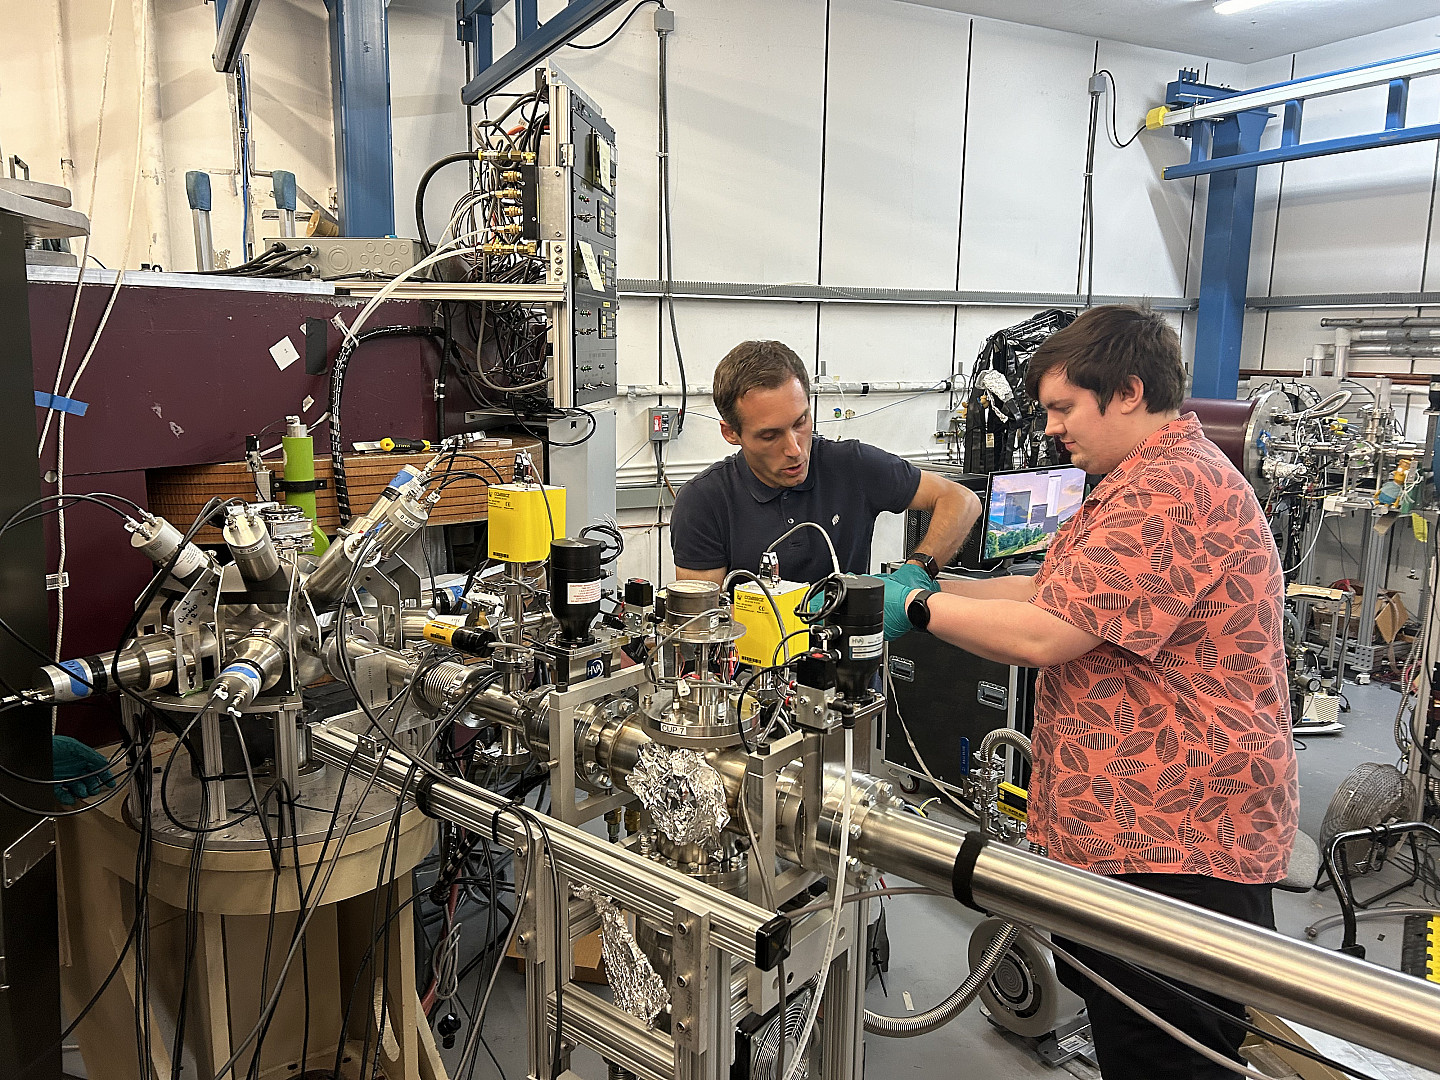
[{"x": 784, "y": 475}]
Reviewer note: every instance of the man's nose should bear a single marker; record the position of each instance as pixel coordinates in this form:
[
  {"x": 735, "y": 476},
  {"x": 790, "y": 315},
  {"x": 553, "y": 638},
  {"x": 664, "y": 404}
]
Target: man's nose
[
  {"x": 1053, "y": 426},
  {"x": 792, "y": 445}
]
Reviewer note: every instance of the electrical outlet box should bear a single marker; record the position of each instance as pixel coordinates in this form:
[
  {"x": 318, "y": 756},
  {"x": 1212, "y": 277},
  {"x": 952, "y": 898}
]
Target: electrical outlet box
[
  {"x": 343, "y": 256},
  {"x": 662, "y": 423}
]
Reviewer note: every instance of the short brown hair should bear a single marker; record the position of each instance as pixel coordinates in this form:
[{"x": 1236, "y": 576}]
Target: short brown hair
[
  {"x": 1105, "y": 346},
  {"x": 754, "y": 365}
]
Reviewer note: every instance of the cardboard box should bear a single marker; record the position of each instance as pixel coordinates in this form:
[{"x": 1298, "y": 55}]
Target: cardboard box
[{"x": 1390, "y": 617}]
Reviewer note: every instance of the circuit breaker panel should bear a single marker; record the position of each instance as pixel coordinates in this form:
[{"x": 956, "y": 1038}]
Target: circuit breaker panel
[{"x": 577, "y": 211}]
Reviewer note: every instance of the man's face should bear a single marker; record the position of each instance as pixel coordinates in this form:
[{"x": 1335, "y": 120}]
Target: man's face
[
  {"x": 1097, "y": 441},
  {"x": 774, "y": 435}
]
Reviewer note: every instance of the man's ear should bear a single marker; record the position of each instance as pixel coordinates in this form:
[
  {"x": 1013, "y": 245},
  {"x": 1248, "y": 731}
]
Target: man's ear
[
  {"x": 730, "y": 434},
  {"x": 1130, "y": 397}
]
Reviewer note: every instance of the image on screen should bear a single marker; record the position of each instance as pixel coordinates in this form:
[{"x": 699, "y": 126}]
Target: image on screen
[{"x": 1027, "y": 508}]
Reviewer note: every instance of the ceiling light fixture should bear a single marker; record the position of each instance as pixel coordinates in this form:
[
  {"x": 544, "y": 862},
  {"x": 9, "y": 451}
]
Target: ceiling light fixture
[{"x": 1234, "y": 7}]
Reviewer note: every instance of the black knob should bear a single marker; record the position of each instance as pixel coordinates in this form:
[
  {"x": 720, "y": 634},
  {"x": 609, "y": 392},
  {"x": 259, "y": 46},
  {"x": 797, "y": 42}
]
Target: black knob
[{"x": 448, "y": 1026}]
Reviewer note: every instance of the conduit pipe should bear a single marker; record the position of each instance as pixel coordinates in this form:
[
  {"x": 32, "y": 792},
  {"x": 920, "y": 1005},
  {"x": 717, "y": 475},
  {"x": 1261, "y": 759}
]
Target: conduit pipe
[{"x": 857, "y": 389}]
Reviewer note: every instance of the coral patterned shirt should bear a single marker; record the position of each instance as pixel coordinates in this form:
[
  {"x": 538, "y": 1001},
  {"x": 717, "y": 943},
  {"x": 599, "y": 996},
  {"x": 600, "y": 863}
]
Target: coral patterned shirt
[{"x": 1166, "y": 748}]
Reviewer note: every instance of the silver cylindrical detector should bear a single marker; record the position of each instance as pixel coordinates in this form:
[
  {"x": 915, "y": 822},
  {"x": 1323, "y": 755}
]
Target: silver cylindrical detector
[{"x": 249, "y": 541}]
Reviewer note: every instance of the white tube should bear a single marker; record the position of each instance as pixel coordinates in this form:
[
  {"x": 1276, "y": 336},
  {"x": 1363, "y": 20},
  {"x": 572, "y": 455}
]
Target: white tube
[{"x": 837, "y": 886}]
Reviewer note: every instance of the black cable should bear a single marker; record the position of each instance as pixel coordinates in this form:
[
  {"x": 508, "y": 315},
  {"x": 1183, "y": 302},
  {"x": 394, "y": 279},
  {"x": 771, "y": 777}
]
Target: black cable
[
  {"x": 337, "y": 390},
  {"x": 668, "y": 268},
  {"x": 616, "y": 32},
  {"x": 1114, "y": 131},
  {"x": 1229, "y": 1017},
  {"x": 425, "y": 177}
]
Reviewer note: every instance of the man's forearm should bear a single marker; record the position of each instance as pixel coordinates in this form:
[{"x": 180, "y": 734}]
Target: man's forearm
[
  {"x": 1005, "y": 587},
  {"x": 953, "y": 515},
  {"x": 1005, "y": 630}
]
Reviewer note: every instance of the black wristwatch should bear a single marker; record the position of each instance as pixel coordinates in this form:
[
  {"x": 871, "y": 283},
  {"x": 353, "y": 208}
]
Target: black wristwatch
[
  {"x": 918, "y": 612},
  {"x": 926, "y": 563}
]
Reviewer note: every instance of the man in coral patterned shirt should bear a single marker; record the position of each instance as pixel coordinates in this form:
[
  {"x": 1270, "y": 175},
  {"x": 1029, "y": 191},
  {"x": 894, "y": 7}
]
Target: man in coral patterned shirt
[{"x": 1162, "y": 747}]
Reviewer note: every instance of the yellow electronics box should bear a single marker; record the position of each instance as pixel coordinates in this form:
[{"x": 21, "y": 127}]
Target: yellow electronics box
[
  {"x": 752, "y": 611},
  {"x": 524, "y": 518}
]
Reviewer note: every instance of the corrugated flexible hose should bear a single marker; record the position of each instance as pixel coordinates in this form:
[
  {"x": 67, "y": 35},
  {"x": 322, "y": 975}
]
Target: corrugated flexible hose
[{"x": 907, "y": 1027}]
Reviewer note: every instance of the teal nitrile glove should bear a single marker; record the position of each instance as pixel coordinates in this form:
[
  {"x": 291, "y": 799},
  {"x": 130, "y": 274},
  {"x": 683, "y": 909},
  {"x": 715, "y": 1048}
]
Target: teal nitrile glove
[
  {"x": 897, "y": 592},
  {"x": 914, "y": 577},
  {"x": 77, "y": 771}
]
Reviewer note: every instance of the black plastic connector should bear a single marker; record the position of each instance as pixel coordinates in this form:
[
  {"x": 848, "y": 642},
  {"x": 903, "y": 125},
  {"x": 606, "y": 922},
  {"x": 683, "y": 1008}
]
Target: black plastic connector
[{"x": 772, "y": 943}]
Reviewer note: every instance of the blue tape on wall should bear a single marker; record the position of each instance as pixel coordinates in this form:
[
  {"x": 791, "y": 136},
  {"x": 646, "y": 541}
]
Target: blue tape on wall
[{"x": 60, "y": 404}]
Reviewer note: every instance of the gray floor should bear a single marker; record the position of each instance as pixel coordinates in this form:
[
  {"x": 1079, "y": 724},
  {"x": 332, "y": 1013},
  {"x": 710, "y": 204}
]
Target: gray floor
[{"x": 929, "y": 937}]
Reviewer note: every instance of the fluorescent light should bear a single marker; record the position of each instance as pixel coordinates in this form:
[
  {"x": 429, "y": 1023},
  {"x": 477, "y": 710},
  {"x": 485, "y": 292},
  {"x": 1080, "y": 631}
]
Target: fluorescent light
[{"x": 1234, "y": 7}]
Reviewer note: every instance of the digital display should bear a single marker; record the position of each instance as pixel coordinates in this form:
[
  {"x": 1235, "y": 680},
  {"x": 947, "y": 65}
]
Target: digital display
[{"x": 1025, "y": 509}]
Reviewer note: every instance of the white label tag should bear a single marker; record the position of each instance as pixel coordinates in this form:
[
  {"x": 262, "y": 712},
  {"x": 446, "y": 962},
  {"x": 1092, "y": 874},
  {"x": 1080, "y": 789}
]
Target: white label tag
[
  {"x": 592, "y": 267},
  {"x": 582, "y": 592},
  {"x": 605, "y": 161},
  {"x": 284, "y": 353},
  {"x": 866, "y": 646},
  {"x": 190, "y": 560}
]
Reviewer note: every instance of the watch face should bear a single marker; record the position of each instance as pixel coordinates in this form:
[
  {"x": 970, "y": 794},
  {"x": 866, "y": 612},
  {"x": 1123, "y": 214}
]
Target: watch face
[{"x": 918, "y": 612}]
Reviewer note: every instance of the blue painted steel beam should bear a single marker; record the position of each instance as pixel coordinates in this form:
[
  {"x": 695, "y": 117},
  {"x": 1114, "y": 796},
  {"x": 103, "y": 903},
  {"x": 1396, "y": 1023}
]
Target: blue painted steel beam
[
  {"x": 232, "y": 23},
  {"x": 474, "y": 27},
  {"x": 1343, "y": 145},
  {"x": 1225, "y": 266},
  {"x": 548, "y": 36},
  {"x": 527, "y": 19},
  {"x": 360, "y": 80}
]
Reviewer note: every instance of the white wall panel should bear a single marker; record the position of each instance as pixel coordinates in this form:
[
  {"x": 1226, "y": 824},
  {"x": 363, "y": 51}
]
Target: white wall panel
[
  {"x": 1142, "y": 222},
  {"x": 895, "y": 137},
  {"x": 427, "y": 69},
  {"x": 1357, "y": 222},
  {"x": 1029, "y": 112},
  {"x": 1269, "y": 182},
  {"x": 746, "y": 102}
]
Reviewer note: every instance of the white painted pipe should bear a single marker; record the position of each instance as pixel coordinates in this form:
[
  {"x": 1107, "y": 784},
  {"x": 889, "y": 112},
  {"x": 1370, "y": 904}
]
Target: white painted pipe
[{"x": 856, "y": 389}]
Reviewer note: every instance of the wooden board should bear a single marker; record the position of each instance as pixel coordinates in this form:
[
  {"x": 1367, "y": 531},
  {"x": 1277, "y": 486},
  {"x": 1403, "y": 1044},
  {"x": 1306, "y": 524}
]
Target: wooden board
[{"x": 179, "y": 494}]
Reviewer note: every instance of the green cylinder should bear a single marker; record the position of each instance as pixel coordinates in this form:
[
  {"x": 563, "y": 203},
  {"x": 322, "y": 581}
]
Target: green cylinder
[{"x": 300, "y": 466}]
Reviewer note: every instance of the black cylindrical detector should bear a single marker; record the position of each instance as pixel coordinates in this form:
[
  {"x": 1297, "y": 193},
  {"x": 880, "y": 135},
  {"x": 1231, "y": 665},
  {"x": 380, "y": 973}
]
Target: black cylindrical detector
[
  {"x": 575, "y": 587},
  {"x": 860, "y": 617}
]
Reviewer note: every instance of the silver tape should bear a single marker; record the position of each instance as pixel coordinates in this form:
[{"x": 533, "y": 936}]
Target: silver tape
[
  {"x": 638, "y": 990},
  {"x": 685, "y": 796}
]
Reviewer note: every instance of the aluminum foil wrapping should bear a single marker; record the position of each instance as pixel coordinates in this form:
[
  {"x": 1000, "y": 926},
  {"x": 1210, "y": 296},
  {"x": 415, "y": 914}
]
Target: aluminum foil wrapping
[
  {"x": 638, "y": 990},
  {"x": 685, "y": 796}
]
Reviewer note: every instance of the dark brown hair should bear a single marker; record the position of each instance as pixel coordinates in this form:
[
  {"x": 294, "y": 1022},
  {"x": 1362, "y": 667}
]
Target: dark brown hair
[
  {"x": 753, "y": 365},
  {"x": 1101, "y": 349}
]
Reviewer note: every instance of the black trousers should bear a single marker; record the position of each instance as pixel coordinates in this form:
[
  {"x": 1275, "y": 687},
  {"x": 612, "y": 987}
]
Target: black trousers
[{"x": 1127, "y": 1045}]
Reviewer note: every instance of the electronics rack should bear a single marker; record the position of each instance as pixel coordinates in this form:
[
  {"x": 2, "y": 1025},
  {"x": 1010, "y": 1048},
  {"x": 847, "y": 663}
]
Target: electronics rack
[{"x": 577, "y": 208}]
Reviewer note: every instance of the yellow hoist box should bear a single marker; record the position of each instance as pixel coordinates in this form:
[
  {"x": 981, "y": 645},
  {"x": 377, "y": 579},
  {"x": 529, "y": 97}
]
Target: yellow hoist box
[
  {"x": 762, "y": 636},
  {"x": 524, "y": 518}
]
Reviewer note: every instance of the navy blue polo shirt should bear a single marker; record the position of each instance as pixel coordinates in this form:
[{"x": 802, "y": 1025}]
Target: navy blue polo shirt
[{"x": 726, "y": 517}]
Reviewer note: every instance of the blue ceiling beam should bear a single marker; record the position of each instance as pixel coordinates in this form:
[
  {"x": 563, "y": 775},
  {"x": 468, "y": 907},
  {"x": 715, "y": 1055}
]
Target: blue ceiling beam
[
  {"x": 530, "y": 47},
  {"x": 1299, "y": 151}
]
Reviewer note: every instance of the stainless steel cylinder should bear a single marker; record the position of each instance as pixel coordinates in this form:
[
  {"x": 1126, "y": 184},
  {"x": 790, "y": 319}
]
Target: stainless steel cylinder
[
  {"x": 249, "y": 541},
  {"x": 158, "y": 540},
  {"x": 1381, "y": 1009}
]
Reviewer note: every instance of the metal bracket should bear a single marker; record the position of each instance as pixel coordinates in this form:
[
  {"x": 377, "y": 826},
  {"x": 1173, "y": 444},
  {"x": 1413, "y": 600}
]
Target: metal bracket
[
  {"x": 21, "y": 856},
  {"x": 690, "y": 984}
]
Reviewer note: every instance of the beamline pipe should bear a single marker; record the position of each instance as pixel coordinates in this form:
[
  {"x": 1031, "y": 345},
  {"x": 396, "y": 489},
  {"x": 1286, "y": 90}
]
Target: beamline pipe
[{"x": 1384, "y": 1010}]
